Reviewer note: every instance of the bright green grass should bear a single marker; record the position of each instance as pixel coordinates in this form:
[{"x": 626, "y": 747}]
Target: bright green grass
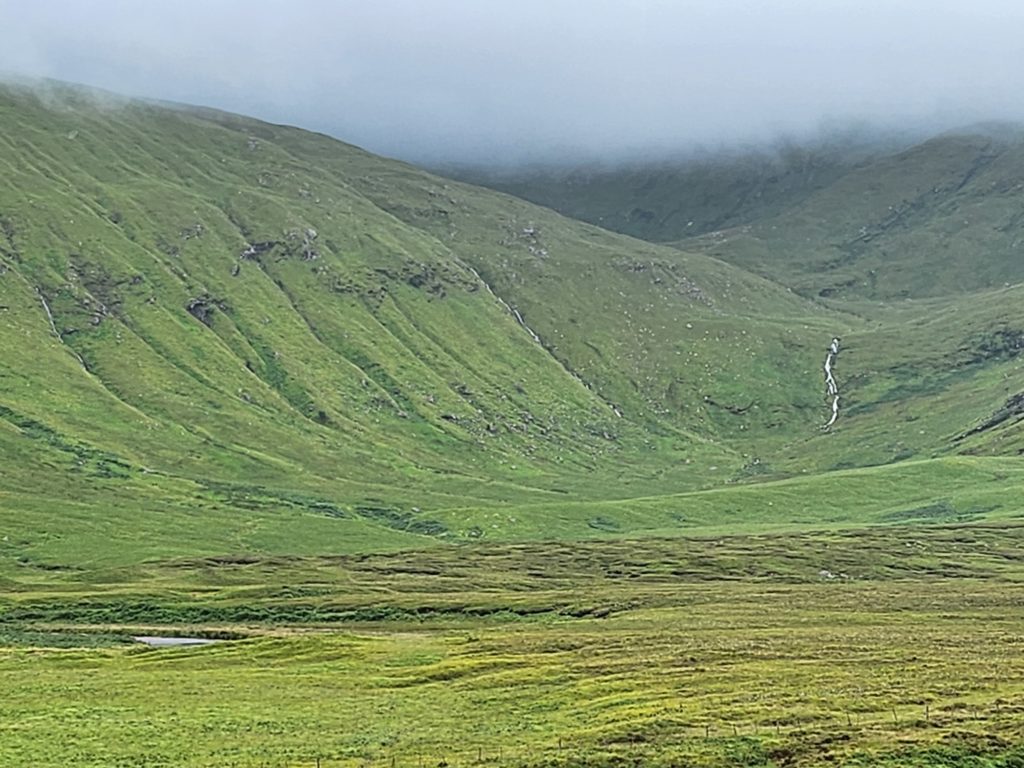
[
  {"x": 160, "y": 519},
  {"x": 433, "y": 539},
  {"x": 362, "y": 388},
  {"x": 734, "y": 651}
]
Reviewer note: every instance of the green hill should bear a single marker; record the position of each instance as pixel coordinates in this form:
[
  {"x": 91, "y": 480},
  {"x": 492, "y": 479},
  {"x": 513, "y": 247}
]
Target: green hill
[
  {"x": 663, "y": 199},
  {"x": 940, "y": 218},
  {"x": 210, "y": 319},
  {"x": 224, "y": 335},
  {"x": 847, "y": 218}
]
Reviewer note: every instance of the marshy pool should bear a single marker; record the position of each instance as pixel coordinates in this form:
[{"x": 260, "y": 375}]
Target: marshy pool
[{"x": 169, "y": 642}]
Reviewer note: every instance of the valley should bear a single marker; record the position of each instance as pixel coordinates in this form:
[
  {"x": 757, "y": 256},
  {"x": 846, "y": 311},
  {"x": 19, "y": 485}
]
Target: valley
[{"x": 453, "y": 478}]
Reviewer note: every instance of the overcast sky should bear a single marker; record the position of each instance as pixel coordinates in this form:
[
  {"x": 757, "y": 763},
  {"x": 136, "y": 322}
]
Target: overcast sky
[{"x": 512, "y": 80}]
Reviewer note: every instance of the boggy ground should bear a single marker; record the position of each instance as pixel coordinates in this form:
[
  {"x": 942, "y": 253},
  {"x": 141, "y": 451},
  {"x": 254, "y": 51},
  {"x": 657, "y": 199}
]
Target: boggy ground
[{"x": 897, "y": 646}]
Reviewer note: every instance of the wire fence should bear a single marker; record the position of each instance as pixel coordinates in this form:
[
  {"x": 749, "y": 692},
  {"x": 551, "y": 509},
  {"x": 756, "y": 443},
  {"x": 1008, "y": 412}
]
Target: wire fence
[{"x": 899, "y": 723}]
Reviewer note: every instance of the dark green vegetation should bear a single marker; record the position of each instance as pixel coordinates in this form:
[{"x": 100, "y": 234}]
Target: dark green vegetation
[
  {"x": 458, "y": 479},
  {"x": 851, "y": 219},
  {"x": 667, "y": 200}
]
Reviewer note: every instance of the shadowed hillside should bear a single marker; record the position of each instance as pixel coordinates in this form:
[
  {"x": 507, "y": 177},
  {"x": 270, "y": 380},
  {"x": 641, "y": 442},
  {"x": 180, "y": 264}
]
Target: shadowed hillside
[
  {"x": 847, "y": 218},
  {"x": 940, "y": 218}
]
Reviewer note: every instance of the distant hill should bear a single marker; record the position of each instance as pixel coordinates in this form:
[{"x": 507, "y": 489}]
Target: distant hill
[
  {"x": 940, "y": 218},
  {"x": 663, "y": 199},
  {"x": 849, "y": 220}
]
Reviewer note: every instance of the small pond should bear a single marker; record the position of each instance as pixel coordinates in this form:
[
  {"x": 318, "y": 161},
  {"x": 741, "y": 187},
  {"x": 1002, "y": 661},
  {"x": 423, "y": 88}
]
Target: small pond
[{"x": 168, "y": 642}]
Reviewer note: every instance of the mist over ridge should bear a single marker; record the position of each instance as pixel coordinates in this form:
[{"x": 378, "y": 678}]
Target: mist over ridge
[
  {"x": 706, "y": 451},
  {"x": 531, "y": 82}
]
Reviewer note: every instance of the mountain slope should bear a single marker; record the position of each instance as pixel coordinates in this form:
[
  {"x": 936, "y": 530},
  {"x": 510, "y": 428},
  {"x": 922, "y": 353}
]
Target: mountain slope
[
  {"x": 220, "y": 335},
  {"x": 942, "y": 217},
  {"x": 218, "y": 313},
  {"x": 670, "y": 199},
  {"x": 844, "y": 220}
]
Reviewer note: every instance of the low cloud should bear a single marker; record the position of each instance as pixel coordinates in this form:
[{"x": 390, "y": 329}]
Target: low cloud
[{"x": 508, "y": 82}]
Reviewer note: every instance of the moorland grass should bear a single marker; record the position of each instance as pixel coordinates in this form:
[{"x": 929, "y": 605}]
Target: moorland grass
[{"x": 896, "y": 646}]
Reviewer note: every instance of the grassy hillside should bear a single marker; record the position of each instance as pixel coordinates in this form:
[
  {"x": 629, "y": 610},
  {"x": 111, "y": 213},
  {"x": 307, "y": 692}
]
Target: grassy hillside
[
  {"x": 847, "y": 219},
  {"x": 204, "y": 310},
  {"x": 939, "y": 218},
  {"x": 663, "y": 200},
  {"x": 238, "y": 336}
]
